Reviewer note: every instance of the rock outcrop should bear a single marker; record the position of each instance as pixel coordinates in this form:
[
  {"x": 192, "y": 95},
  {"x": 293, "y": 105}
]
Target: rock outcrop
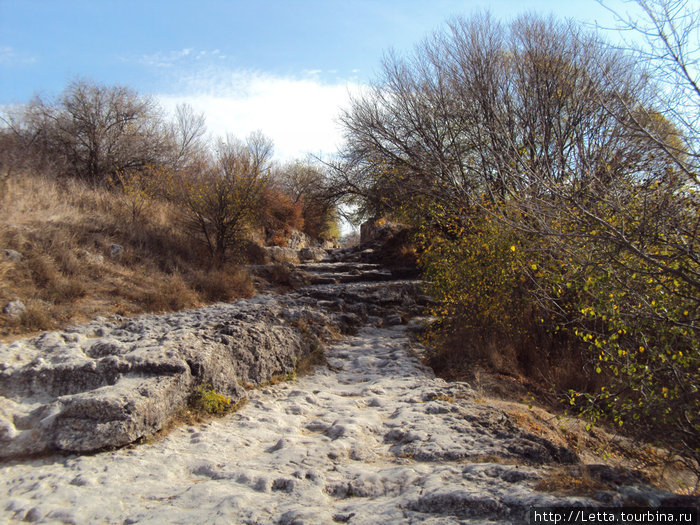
[
  {"x": 112, "y": 382},
  {"x": 281, "y": 254},
  {"x": 314, "y": 254},
  {"x": 285, "y": 254},
  {"x": 373, "y": 437},
  {"x": 378, "y": 230}
]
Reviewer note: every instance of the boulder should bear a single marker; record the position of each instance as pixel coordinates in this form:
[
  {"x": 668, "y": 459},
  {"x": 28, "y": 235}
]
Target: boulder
[
  {"x": 281, "y": 254},
  {"x": 312, "y": 254},
  {"x": 298, "y": 240},
  {"x": 378, "y": 230},
  {"x": 329, "y": 244}
]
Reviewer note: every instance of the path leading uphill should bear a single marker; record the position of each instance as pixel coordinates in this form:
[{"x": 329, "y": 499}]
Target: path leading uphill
[{"x": 371, "y": 438}]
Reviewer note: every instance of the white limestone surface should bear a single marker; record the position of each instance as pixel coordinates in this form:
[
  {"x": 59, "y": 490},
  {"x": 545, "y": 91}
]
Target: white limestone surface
[{"x": 373, "y": 438}]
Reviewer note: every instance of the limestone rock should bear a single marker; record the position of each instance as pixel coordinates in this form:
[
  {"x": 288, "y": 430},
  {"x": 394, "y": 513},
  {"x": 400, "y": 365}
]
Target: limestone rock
[
  {"x": 281, "y": 254},
  {"x": 13, "y": 255},
  {"x": 73, "y": 392},
  {"x": 298, "y": 240},
  {"x": 312, "y": 254},
  {"x": 92, "y": 258},
  {"x": 378, "y": 230},
  {"x": 14, "y": 309},
  {"x": 116, "y": 251}
]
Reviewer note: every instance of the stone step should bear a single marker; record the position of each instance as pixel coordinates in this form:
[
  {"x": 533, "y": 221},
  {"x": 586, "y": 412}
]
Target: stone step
[
  {"x": 341, "y": 278},
  {"x": 338, "y": 267}
]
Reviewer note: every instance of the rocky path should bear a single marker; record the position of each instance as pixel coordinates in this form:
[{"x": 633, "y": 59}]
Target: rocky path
[
  {"x": 370, "y": 440},
  {"x": 373, "y": 437}
]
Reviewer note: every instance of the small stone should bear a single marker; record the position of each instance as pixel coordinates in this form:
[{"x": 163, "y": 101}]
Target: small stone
[
  {"x": 116, "y": 251},
  {"x": 93, "y": 258},
  {"x": 7, "y": 429},
  {"x": 14, "y": 309},
  {"x": 393, "y": 319},
  {"x": 33, "y": 515},
  {"x": 13, "y": 255}
]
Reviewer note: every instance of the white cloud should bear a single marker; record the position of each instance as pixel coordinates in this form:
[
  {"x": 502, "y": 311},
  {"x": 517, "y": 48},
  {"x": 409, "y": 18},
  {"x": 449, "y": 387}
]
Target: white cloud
[
  {"x": 298, "y": 114},
  {"x": 10, "y": 56},
  {"x": 161, "y": 59}
]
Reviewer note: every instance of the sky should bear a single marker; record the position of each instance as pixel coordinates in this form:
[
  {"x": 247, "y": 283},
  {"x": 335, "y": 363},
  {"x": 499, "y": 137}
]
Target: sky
[{"x": 285, "y": 67}]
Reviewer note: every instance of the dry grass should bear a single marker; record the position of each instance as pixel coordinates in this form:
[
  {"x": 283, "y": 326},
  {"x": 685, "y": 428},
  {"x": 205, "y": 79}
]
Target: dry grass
[
  {"x": 308, "y": 363},
  {"x": 532, "y": 403},
  {"x": 571, "y": 481},
  {"x": 607, "y": 459},
  {"x": 64, "y": 230},
  {"x": 223, "y": 284}
]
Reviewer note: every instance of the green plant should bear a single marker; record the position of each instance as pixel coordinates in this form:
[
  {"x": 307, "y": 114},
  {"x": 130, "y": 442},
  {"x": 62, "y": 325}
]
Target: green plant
[{"x": 206, "y": 399}]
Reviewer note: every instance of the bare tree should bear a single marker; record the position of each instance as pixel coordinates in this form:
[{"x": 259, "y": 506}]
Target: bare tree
[
  {"x": 573, "y": 145},
  {"x": 98, "y": 130},
  {"x": 481, "y": 109},
  {"x": 666, "y": 39},
  {"x": 260, "y": 148},
  {"x": 222, "y": 195},
  {"x": 187, "y": 131}
]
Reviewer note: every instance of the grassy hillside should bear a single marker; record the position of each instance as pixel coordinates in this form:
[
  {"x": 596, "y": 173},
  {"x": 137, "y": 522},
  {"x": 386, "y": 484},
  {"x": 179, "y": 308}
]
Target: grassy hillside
[{"x": 64, "y": 230}]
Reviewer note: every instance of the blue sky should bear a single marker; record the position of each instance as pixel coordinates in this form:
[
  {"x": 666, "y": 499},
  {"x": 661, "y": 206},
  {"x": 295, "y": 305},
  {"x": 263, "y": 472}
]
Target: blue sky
[{"x": 285, "y": 67}]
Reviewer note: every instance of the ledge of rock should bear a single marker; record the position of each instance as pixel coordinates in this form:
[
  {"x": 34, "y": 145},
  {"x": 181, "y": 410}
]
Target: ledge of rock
[
  {"x": 373, "y": 437},
  {"x": 110, "y": 383},
  {"x": 285, "y": 254}
]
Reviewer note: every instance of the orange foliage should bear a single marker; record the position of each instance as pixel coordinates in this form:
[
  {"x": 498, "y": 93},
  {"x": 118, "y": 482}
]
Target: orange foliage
[{"x": 279, "y": 215}]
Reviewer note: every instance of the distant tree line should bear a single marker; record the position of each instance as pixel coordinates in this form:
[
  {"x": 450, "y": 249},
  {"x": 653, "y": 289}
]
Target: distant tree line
[
  {"x": 552, "y": 181},
  {"x": 111, "y": 135}
]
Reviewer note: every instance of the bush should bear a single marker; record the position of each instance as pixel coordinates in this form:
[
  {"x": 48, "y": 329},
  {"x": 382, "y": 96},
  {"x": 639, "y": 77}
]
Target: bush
[
  {"x": 484, "y": 309},
  {"x": 95, "y": 131},
  {"x": 37, "y": 317},
  {"x": 308, "y": 188},
  {"x": 279, "y": 216},
  {"x": 220, "y": 198},
  {"x": 555, "y": 188},
  {"x": 168, "y": 295},
  {"x": 209, "y": 401},
  {"x": 223, "y": 284}
]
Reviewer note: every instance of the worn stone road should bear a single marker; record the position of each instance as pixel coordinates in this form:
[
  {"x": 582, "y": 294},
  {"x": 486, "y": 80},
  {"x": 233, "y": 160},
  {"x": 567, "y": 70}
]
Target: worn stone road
[{"x": 373, "y": 437}]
